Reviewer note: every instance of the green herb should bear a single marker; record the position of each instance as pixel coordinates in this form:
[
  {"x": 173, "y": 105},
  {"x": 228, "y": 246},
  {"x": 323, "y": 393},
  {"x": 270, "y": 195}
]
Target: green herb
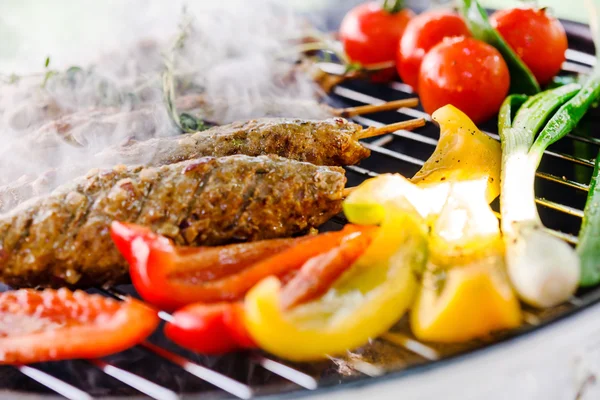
[
  {"x": 189, "y": 123},
  {"x": 47, "y": 62},
  {"x": 522, "y": 80},
  {"x": 186, "y": 122}
]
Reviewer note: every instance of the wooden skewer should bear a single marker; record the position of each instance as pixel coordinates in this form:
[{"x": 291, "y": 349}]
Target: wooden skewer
[
  {"x": 372, "y": 108},
  {"x": 383, "y": 130},
  {"x": 347, "y": 191}
]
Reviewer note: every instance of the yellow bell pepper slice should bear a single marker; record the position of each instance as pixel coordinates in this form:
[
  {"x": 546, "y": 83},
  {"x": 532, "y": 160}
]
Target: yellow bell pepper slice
[
  {"x": 463, "y": 153},
  {"x": 362, "y": 304},
  {"x": 365, "y": 205},
  {"x": 465, "y": 292}
]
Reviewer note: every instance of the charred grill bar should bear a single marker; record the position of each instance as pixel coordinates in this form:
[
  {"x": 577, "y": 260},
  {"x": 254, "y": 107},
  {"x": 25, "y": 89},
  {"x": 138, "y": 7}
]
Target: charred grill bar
[{"x": 561, "y": 199}]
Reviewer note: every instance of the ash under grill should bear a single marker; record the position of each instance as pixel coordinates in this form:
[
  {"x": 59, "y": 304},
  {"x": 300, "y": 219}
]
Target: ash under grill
[{"x": 159, "y": 369}]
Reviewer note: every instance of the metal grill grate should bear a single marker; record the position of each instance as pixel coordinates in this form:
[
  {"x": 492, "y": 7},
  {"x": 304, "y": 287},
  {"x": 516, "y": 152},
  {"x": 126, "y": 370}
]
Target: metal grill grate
[{"x": 160, "y": 370}]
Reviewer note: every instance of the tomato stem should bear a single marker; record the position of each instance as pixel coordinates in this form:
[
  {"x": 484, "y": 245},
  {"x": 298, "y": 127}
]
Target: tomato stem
[{"x": 393, "y": 6}]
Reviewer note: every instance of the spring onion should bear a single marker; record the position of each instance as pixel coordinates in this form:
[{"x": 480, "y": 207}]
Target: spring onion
[{"x": 543, "y": 269}]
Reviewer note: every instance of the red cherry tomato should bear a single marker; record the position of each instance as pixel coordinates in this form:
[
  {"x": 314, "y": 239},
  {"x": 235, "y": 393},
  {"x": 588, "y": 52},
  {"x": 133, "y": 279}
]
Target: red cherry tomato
[
  {"x": 538, "y": 38},
  {"x": 370, "y": 33},
  {"x": 421, "y": 34},
  {"x": 469, "y": 74}
]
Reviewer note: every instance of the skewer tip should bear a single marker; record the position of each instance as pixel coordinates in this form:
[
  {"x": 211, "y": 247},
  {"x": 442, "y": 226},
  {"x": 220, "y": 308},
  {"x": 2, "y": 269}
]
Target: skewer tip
[{"x": 383, "y": 130}]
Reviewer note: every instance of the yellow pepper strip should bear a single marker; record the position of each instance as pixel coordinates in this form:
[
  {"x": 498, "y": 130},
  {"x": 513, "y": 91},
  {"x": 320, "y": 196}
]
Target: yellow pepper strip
[
  {"x": 463, "y": 153},
  {"x": 465, "y": 292},
  {"x": 362, "y": 304}
]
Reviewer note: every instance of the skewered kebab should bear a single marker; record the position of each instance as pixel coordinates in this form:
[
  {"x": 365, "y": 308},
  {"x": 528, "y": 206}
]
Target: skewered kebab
[
  {"x": 81, "y": 127},
  {"x": 63, "y": 238},
  {"x": 330, "y": 142}
]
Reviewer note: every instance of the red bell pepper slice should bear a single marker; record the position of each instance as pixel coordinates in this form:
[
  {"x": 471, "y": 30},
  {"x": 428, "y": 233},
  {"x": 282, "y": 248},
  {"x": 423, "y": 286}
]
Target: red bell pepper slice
[
  {"x": 220, "y": 327},
  {"x": 171, "y": 277},
  {"x": 210, "y": 328},
  {"x": 50, "y": 325}
]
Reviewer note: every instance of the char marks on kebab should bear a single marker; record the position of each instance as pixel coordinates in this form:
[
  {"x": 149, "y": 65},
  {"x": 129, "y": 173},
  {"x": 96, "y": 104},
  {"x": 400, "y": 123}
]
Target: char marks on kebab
[{"x": 63, "y": 238}]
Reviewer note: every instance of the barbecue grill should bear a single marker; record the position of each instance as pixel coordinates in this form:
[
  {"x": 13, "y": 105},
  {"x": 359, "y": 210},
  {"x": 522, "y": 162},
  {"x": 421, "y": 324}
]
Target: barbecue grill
[{"x": 545, "y": 358}]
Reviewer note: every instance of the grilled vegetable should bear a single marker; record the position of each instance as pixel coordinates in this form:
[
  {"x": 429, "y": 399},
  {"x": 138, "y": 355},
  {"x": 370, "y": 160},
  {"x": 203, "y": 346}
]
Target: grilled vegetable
[
  {"x": 171, "y": 277},
  {"x": 588, "y": 247},
  {"x": 467, "y": 73},
  {"x": 363, "y": 303},
  {"x": 463, "y": 153},
  {"x": 220, "y": 327},
  {"x": 64, "y": 238},
  {"x": 465, "y": 292},
  {"x": 543, "y": 269},
  {"x": 210, "y": 328},
  {"x": 370, "y": 32},
  {"x": 60, "y": 325},
  {"x": 522, "y": 80},
  {"x": 318, "y": 273},
  {"x": 422, "y": 33},
  {"x": 536, "y": 37}
]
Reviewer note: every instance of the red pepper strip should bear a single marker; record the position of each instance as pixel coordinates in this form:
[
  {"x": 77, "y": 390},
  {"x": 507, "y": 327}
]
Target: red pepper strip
[
  {"x": 51, "y": 325},
  {"x": 157, "y": 266},
  {"x": 200, "y": 263},
  {"x": 210, "y": 328},
  {"x": 219, "y": 328},
  {"x": 318, "y": 274}
]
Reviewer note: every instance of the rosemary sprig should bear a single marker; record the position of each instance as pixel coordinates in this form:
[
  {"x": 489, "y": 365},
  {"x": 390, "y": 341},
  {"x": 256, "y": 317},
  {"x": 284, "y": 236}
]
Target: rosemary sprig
[{"x": 184, "y": 121}]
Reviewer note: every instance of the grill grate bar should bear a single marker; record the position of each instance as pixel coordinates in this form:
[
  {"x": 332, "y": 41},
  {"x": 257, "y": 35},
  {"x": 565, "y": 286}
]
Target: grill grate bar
[
  {"x": 276, "y": 367},
  {"x": 63, "y": 388},
  {"x": 393, "y": 154},
  {"x": 287, "y": 372},
  {"x": 358, "y": 365},
  {"x": 413, "y": 345},
  {"x": 560, "y": 207},
  {"x": 145, "y": 386},
  {"x": 564, "y": 181},
  {"x": 217, "y": 379},
  {"x": 581, "y": 57},
  {"x": 364, "y": 98}
]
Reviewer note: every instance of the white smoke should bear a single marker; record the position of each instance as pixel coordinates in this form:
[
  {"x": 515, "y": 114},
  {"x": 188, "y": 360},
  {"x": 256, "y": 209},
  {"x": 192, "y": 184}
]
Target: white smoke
[{"x": 105, "y": 81}]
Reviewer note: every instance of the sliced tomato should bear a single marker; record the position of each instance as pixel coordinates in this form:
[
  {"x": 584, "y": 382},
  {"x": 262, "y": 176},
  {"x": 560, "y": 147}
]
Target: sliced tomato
[
  {"x": 50, "y": 325},
  {"x": 210, "y": 328},
  {"x": 171, "y": 277}
]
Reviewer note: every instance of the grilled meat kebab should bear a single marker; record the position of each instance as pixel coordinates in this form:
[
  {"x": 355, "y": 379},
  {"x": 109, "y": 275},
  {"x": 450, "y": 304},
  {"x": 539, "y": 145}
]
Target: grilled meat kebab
[
  {"x": 63, "y": 238},
  {"x": 332, "y": 141}
]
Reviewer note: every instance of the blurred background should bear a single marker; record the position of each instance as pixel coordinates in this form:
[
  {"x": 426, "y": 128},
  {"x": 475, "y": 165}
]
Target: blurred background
[{"x": 72, "y": 31}]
